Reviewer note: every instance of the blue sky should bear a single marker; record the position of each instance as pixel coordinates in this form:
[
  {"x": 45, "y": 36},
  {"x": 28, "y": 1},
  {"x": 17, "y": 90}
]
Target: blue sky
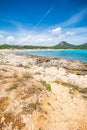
[{"x": 43, "y": 22}]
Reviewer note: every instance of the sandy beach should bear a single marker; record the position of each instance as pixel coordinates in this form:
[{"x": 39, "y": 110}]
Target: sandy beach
[{"x": 41, "y": 93}]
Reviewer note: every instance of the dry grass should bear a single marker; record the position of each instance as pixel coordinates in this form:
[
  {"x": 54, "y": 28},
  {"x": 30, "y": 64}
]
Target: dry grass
[
  {"x": 26, "y": 75},
  {"x": 11, "y": 120},
  {"x": 30, "y": 108},
  {"x": 83, "y": 90},
  {"x": 1, "y": 69},
  {"x": 26, "y": 67},
  {"x": 13, "y": 87},
  {"x": 74, "y": 87},
  {"x": 3, "y": 103}
]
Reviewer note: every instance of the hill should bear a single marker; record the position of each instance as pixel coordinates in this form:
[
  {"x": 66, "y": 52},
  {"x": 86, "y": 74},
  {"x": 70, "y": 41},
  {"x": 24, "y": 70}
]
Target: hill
[
  {"x": 64, "y": 45},
  {"x": 83, "y": 46},
  {"x": 61, "y": 45}
]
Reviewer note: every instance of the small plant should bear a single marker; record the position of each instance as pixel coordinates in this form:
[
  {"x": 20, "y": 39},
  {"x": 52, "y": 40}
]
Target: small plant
[
  {"x": 83, "y": 90},
  {"x": 33, "y": 106},
  {"x": 47, "y": 85},
  {"x": 26, "y": 67},
  {"x": 26, "y": 75},
  {"x": 43, "y": 82},
  {"x": 30, "y": 108},
  {"x": 75, "y": 87},
  {"x": 12, "y": 88}
]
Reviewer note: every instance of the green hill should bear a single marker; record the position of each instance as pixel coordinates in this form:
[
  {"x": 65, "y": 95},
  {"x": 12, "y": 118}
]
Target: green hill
[
  {"x": 64, "y": 45},
  {"x": 61, "y": 45},
  {"x": 83, "y": 46}
]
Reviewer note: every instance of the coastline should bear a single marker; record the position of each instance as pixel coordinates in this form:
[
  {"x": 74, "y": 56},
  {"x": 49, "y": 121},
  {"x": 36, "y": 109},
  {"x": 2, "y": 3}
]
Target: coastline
[
  {"x": 23, "y": 92},
  {"x": 68, "y": 54},
  {"x": 31, "y": 61}
]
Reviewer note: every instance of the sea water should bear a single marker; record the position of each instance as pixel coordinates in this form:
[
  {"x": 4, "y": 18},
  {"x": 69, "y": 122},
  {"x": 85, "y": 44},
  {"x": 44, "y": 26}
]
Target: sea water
[{"x": 80, "y": 55}]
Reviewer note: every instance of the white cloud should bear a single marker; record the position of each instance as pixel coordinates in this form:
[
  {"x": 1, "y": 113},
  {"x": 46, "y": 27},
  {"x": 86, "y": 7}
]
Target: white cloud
[
  {"x": 70, "y": 33},
  {"x": 56, "y": 35},
  {"x": 25, "y": 39},
  {"x": 10, "y": 39},
  {"x": 56, "y": 31},
  {"x": 41, "y": 39},
  {"x": 1, "y": 36}
]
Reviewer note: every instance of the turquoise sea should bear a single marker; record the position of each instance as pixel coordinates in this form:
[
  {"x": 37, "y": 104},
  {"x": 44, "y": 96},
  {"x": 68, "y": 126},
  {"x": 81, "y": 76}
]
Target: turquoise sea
[{"x": 80, "y": 55}]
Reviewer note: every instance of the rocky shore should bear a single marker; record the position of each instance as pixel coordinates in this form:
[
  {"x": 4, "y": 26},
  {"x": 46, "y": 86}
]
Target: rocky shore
[{"x": 41, "y": 93}]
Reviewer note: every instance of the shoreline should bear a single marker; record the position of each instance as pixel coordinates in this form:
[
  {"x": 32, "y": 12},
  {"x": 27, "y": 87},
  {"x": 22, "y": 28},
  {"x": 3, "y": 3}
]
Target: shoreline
[
  {"x": 14, "y": 51},
  {"x": 20, "y": 60}
]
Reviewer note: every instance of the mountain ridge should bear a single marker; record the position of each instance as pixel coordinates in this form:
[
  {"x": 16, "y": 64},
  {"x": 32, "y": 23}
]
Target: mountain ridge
[{"x": 61, "y": 45}]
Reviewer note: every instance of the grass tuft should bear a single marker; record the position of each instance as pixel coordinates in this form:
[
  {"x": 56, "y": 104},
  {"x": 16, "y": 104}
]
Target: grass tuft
[
  {"x": 83, "y": 90},
  {"x": 26, "y": 75},
  {"x": 12, "y": 88},
  {"x": 47, "y": 85},
  {"x": 26, "y": 67}
]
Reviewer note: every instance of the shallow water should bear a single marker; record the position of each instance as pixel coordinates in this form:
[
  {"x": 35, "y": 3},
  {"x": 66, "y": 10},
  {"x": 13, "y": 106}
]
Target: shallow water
[{"x": 80, "y": 55}]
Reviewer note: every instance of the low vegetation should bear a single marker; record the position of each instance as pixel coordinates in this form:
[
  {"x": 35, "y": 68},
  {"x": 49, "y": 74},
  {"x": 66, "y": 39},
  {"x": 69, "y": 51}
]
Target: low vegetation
[
  {"x": 83, "y": 90},
  {"x": 11, "y": 120},
  {"x": 26, "y": 75},
  {"x": 74, "y": 88},
  {"x": 3, "y": 103},
  {"x": 26, "y": 67},
  {"x": 13, "y": 87},
  {"x": 61, "y": 45},
  {"x": 47, "y": 85},
  {"x": 30, "y": 108}
]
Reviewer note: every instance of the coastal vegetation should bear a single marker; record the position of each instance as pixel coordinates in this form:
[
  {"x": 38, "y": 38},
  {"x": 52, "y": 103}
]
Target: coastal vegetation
[
  {"x": 13, "y": 87},
  {"x": 47, "y": 85},
  {"x": 61, "y": 45},
  {"x": 27, "y": 75}
]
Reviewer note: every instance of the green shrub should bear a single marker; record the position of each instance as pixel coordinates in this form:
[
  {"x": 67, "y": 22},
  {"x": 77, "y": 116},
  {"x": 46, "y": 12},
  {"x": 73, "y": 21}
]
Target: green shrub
[
  {"x": 43, "y": 82},
  {"x": 26, "y": 67},
  {"x": 12, "y": 88},
  {"x": 47, "y": 85},
  {"x": 26, "y": 75},
  {"x": 75, "y": 87}
]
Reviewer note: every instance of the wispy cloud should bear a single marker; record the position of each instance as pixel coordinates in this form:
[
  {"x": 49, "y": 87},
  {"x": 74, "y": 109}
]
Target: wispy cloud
[
  {"x": 10, "y": 39},
  {"x": 25, "y": 37},
  {"x": 55, "y": 31},
  {"x": 13, "y": 22},
  {"x": 42, "y": 18},
  {"x": 75, "y": 18},
  {"x": 61, "y": 32}
]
